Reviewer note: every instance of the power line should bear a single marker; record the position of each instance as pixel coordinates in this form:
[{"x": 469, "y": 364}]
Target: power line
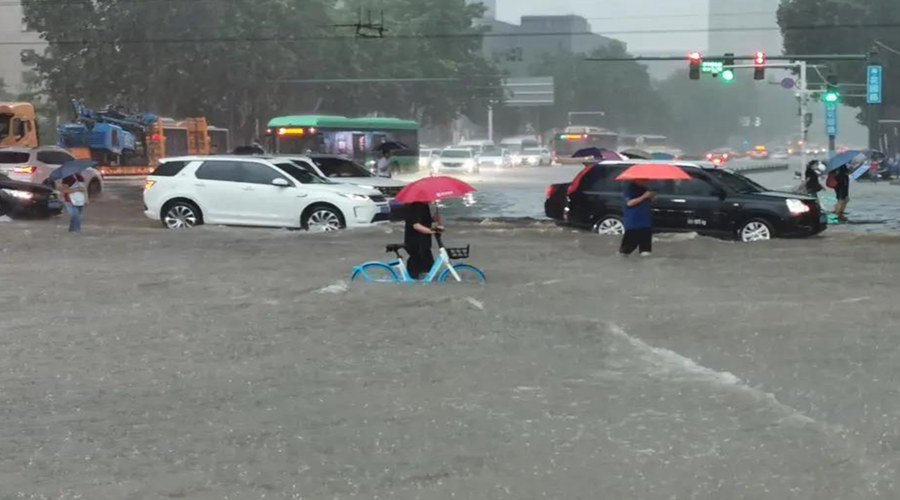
[{"x": 469, "y": 35}]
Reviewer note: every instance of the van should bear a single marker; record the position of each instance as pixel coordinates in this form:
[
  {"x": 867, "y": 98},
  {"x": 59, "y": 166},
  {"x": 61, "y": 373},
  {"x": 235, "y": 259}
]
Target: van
[{"x": 476, "y": 145}]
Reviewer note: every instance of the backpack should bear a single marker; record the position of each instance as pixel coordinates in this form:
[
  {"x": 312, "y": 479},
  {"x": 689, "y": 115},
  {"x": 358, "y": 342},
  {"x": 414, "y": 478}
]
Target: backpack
[{"x": 831, "y": 181}]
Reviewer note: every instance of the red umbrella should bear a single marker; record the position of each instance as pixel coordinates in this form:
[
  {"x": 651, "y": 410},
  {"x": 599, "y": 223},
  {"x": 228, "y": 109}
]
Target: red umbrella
[
  {"x": 431, "y": 189},
  {"x": 654, "y": 172}
]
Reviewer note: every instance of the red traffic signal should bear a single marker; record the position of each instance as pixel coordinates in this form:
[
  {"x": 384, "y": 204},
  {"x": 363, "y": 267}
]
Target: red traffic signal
[
  {"x": 759, "y": 61},
  {"x": 695, "y": 58}
]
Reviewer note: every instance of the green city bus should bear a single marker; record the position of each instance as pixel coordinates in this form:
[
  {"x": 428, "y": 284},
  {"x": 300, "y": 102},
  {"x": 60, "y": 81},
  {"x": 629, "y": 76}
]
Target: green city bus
[{"x": 353, "y": 137}]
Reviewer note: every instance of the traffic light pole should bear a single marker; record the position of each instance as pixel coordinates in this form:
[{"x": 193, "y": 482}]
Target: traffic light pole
[{"x": 802, "y": 66}]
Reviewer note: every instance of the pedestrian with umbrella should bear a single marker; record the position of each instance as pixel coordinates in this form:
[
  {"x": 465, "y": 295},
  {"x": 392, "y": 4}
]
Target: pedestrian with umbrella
[
  {"x": 421, "y": 224},
  {"x": 384, "y": 165},
  {"x": 70, "y": 183},
  {"x": 638, "y": 213},
  {"x": 839, "y": 179}
]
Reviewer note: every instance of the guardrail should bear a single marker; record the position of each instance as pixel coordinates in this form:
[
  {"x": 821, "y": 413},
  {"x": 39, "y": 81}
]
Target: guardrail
[{"x": 762, "y": 167}]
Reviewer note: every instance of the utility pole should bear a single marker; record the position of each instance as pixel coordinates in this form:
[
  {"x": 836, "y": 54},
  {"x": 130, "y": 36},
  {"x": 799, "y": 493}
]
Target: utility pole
[
  {"x": 804, "y": 105},
  {"x": 491, "y": 121}
]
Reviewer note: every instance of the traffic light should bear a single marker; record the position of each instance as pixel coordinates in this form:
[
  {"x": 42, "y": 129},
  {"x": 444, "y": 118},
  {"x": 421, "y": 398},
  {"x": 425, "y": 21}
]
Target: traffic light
[
  {"x": 759, "y": 66},
  {"x": 695, "y": 59},
  {"x": 728, "y": 72},
  {"x": 832, "y": 93}
]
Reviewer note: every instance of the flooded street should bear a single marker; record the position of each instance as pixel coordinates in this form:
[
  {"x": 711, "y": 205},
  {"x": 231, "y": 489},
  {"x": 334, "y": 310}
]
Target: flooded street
[{"x": 239, "y": 363}]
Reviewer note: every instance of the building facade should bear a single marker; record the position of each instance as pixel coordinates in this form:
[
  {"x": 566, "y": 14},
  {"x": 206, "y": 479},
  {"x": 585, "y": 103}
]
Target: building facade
[
  {"x": 515, "y": 46},
  {"x": 732, "y": 26},
  {"x": 14, "y": 39}
]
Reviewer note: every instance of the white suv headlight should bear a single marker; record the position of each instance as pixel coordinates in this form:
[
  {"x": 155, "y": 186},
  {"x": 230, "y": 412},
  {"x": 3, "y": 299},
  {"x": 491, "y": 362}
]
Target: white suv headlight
[
  {"x": 16, "y": 193},
  {"x": 797, "y": 207},
  {"x": 355, "y": 197}
]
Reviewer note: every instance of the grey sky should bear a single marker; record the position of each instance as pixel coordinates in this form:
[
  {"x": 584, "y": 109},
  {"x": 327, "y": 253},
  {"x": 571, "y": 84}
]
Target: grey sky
[{"x": 629, "y": 15}]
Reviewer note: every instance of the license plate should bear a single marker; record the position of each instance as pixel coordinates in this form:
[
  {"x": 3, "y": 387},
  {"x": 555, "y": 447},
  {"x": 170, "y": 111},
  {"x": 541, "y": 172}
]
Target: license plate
[
  {"x": 386, "y": 209},
  {"x": 53, "y": 205}
]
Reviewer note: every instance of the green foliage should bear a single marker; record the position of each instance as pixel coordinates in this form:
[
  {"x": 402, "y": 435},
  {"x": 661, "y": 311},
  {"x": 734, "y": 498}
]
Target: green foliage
[
  {"x": 878, "y": 19},
  {"x": 706, "y": 113},
  {"x": 622, "y": 90},
  {"x": 228, "y": 60}
]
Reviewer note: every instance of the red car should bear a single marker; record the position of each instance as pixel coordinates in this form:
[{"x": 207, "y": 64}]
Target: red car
[{"x": 719, "y": 156}]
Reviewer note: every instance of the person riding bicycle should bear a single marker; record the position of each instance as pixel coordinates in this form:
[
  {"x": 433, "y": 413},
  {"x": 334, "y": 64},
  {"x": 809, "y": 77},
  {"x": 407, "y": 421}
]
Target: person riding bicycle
[{"x": 421, "y": 225}]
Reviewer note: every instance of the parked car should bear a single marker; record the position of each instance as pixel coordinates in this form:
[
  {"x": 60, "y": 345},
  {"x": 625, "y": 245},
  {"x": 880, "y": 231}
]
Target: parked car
[
  {"x": 36, "y": 164},
  {"x": 27, "y": 199},
  {"x": 343, "y": 170},
  {"x": 536, "y": 156},
  {"x": 457, "y": 160},
  {"x": 494, "y": 157},
  {"x": 714, "y": 202},
  {"x": 239, "y": 190}
]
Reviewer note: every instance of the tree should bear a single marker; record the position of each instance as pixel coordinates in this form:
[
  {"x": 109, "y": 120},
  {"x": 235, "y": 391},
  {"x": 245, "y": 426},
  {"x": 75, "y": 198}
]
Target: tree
[
  {"x": 622, "y": 90},
  {"x": 230, "y": 60},
  {"x": 427, "y": 39},
  {"x": 847, "y": 27},
  {"x": 707, "y": 113}
]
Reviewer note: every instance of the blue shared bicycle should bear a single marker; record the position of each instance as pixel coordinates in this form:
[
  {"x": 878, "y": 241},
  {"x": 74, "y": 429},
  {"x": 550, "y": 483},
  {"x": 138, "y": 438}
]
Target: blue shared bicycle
[{"x": 446, "y": 268}]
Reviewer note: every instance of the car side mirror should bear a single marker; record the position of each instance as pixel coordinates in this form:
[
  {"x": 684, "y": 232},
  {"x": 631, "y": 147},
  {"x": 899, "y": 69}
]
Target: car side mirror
[
  {"x": 720, "y": 194},
  {"x": 280, "y": 182}
]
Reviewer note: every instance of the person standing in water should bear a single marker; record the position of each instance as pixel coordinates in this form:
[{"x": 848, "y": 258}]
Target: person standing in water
[{"x": 638, "y": 219}]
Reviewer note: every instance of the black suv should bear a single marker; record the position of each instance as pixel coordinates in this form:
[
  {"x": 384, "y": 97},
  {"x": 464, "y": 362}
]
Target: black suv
[{"x": 714, "y": 202}]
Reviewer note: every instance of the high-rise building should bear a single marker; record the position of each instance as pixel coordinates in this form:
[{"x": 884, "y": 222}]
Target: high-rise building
[
  {"x": 15, "y": 38},
  {"x": 744, "y": 26}
]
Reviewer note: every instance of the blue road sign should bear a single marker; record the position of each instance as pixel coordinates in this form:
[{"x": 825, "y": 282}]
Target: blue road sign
[
  {"x": 874, "y": 84},
  {"x": 831, "y": 119}
]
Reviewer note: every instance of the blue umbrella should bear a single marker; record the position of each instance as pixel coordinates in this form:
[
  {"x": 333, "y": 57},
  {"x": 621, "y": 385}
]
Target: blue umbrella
[
  {"x": 70, "y": 167},
  {"x": 662, "y": 156},
  {"x": 845, "y": 158}
]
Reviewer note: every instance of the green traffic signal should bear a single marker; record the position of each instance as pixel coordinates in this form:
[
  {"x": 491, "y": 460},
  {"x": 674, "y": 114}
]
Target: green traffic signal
[
  {"x": 728, "y": 76},
  {"x": 831, "y": 96}
]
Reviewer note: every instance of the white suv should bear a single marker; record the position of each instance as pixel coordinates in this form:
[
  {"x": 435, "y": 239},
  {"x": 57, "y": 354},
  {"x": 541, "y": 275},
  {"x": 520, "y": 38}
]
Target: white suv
[
  {"x": 241, "y": 190},
  {"x": 35, "y": 165}
]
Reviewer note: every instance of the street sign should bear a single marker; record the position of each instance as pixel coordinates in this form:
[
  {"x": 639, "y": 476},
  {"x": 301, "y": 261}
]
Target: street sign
[
  {"x": 714, "y": 67},
  {"x": 874, "y": 84},
  {"x": 788, "y": 83},
  {"x": 532, "y": 91},
  {"x": 831, "y": 119}
]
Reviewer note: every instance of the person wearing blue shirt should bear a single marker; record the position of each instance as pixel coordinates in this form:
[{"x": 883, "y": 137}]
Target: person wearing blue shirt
[{"x": 638, "y": 219}]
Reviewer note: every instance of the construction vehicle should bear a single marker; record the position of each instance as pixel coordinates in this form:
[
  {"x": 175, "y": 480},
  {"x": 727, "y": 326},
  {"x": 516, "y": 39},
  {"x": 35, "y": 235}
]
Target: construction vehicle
[
  {"x": 18, "y": 125},
  {"x": 123, "y": 143},
  {"x": 126, "y": 143}
]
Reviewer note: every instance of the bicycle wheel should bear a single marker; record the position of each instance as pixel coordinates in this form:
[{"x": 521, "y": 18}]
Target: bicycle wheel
[
  {"x": 375, "y": 272},
  {"x": 467, "y": 273}
]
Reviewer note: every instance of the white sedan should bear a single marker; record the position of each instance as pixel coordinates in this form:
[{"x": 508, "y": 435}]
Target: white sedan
[
  {"x": 536, "y": 156},
  {"x": 35, "y": 165},
  {"x": 249, "y": 191}
]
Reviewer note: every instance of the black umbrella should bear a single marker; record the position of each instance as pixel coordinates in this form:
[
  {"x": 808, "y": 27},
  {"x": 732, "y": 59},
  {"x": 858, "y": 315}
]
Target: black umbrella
[
  {"x": 390, "y": 146},
  {"x": 636, "y": 154},
  {"x": 70, "y": 167}
]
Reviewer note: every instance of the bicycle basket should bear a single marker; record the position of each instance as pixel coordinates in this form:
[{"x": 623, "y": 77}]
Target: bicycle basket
[{"x": 458, "y": 253}]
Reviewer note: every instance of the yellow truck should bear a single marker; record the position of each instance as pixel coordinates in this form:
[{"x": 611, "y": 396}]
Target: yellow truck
[
  {"x": 18, "y": 125},
  {"x": 194, "y": 136}
]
